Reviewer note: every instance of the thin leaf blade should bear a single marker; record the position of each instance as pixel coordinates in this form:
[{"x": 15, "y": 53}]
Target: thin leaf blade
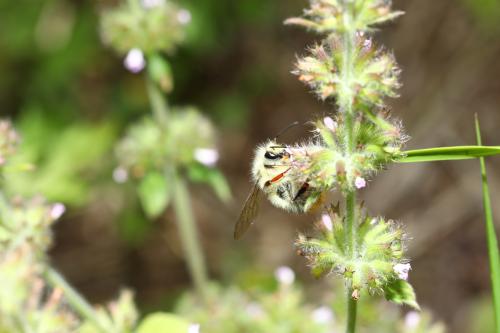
[
  {"x": 448, "y": 153},
  {"x": 491, "y": 236}
]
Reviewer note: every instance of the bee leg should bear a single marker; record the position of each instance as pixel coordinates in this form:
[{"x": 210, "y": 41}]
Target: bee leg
[
  {"x": 301, "y": 191},
  {"x": 277, "y": 177}
]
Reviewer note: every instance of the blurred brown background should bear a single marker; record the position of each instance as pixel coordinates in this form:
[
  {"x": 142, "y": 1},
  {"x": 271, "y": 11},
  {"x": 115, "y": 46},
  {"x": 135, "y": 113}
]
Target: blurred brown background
[{"x": 236, "y": 67}]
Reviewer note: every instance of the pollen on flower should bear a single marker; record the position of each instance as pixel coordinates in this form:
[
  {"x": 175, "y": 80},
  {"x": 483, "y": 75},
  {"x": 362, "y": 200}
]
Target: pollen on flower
[
  {"x": 134, "y": 61},
  {"x": 402, "y": 270},
  {"x": 284, "y": 275},
  {"x": 206, "y": 156}
]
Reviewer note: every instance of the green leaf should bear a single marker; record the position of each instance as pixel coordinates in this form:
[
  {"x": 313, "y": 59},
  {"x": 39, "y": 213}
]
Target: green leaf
[
  {"x": 163, "y": 322},
  {"x": 154, "y": 194},
  {"x": 491, "y": 236},
  {"x": 68, "y": 158},
  {"x": 448, "y": 153},
  {"x": 401, "y": 292},
  {"x": 219, "y": 185},
  {"x": 213, "y": 177}
]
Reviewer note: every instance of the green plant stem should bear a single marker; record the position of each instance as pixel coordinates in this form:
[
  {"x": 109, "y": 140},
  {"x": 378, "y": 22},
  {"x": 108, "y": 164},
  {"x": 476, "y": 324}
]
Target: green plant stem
[
  {"x": 182, "y": 203},
  {"x": 346, "y": 104},
  {"x": 491, "y": 237},
  {"x": 189, "y": 235},
  {"x": 76, "y": 301},
  {"x": 158, "y": 102},
  {"x": 352, "y": 309}
]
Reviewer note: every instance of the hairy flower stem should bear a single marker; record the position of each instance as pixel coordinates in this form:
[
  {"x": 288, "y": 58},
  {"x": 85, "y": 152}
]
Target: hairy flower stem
[
  {"x": 352, "y": 306},
  {"x": 189, "y": 235},
  {"x": 182, "y": 202},
  {"x": 158, "y": 102},
  {"x": 77, "y": 302},
  {"x": 346, "y": 104}
]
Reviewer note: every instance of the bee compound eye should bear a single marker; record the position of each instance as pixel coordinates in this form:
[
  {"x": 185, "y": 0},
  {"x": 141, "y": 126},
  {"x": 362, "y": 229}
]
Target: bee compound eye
[{"x": 272, "y": 156}]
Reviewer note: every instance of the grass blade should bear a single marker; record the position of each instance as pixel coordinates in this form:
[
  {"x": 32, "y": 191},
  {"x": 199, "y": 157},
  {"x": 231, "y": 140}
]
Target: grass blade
[
  {"x": 448, "y": 153},
  {"x": 491, "y": 237}
]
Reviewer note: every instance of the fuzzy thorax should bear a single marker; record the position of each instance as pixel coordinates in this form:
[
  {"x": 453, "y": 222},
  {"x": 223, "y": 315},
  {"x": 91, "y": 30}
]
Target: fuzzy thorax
[{"x": 280, "y": 172}]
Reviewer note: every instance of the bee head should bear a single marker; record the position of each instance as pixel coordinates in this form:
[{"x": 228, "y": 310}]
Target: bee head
[
  {"x": 274, "y": 152},
  {"x": 269, "y": 159}
]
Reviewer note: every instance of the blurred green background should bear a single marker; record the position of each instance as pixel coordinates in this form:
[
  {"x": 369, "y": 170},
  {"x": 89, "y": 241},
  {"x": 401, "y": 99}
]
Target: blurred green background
[{"x": 71, "y": 99}]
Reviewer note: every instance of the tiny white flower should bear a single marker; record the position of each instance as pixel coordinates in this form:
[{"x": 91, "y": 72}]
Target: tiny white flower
[
  {"x": 322, "y": 315},
  {"x": 184, "y": 16},
  {"x": 402, "y": 270},
  {"x": 327, "y": 221},
  {"x": 359, "y": 182},
  {"x": 412, "y": 319},
  {"x": 150, "y": 4},
  {"x": 330, "y": 124},
  {"x": 194, "y": 328},
  {"x": 284, "y": 275},
  {"x": 120, "y": 175},
  {"x": 206, "y": 156},
  {"x": 134, "y": 61},
  {"x": 57, "y": 210}
]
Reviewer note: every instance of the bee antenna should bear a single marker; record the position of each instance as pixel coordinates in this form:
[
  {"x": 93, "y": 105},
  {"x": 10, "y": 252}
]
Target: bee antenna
[{"x": 283, "y": 131}]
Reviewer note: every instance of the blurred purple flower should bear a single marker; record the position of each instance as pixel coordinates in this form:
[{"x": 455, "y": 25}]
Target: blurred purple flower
[
  {"x": 184, "y": 16},
  {"x": 322, "y": 315},
  {"x": 120, "y": 175},
  {"x": 412, "y": 319},
  {"x": 149, "y": 4},
  {"x": 57, "y": 210},
  {"x": 327, "y": 222},
  {"x": 284, "y": 275},
  {"x": 330, "y": 124},
  {"x": 206, "y": 156},
  {"x": 134, "y": 61}
]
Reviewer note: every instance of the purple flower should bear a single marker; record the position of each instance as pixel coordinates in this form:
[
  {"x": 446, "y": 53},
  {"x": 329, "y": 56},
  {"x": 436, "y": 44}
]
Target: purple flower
[
  {"x": 134, "y": 61},
  {"x": 330, "y": 124},
  {"x": 327, "y": 222},
  {"x": 206, "y": 156},
  {"x": 284, "y": 275},
  {"x": 150, "y": 4},
  {"x": 184, "y": 16},
  {"x": 402, "y": 270},
  {"x": 57, "y": 210},
  {"x": 359, "y": 182}
]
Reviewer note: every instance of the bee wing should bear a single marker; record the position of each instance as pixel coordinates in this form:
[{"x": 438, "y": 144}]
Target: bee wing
[{"x": 248, "y": 213}]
